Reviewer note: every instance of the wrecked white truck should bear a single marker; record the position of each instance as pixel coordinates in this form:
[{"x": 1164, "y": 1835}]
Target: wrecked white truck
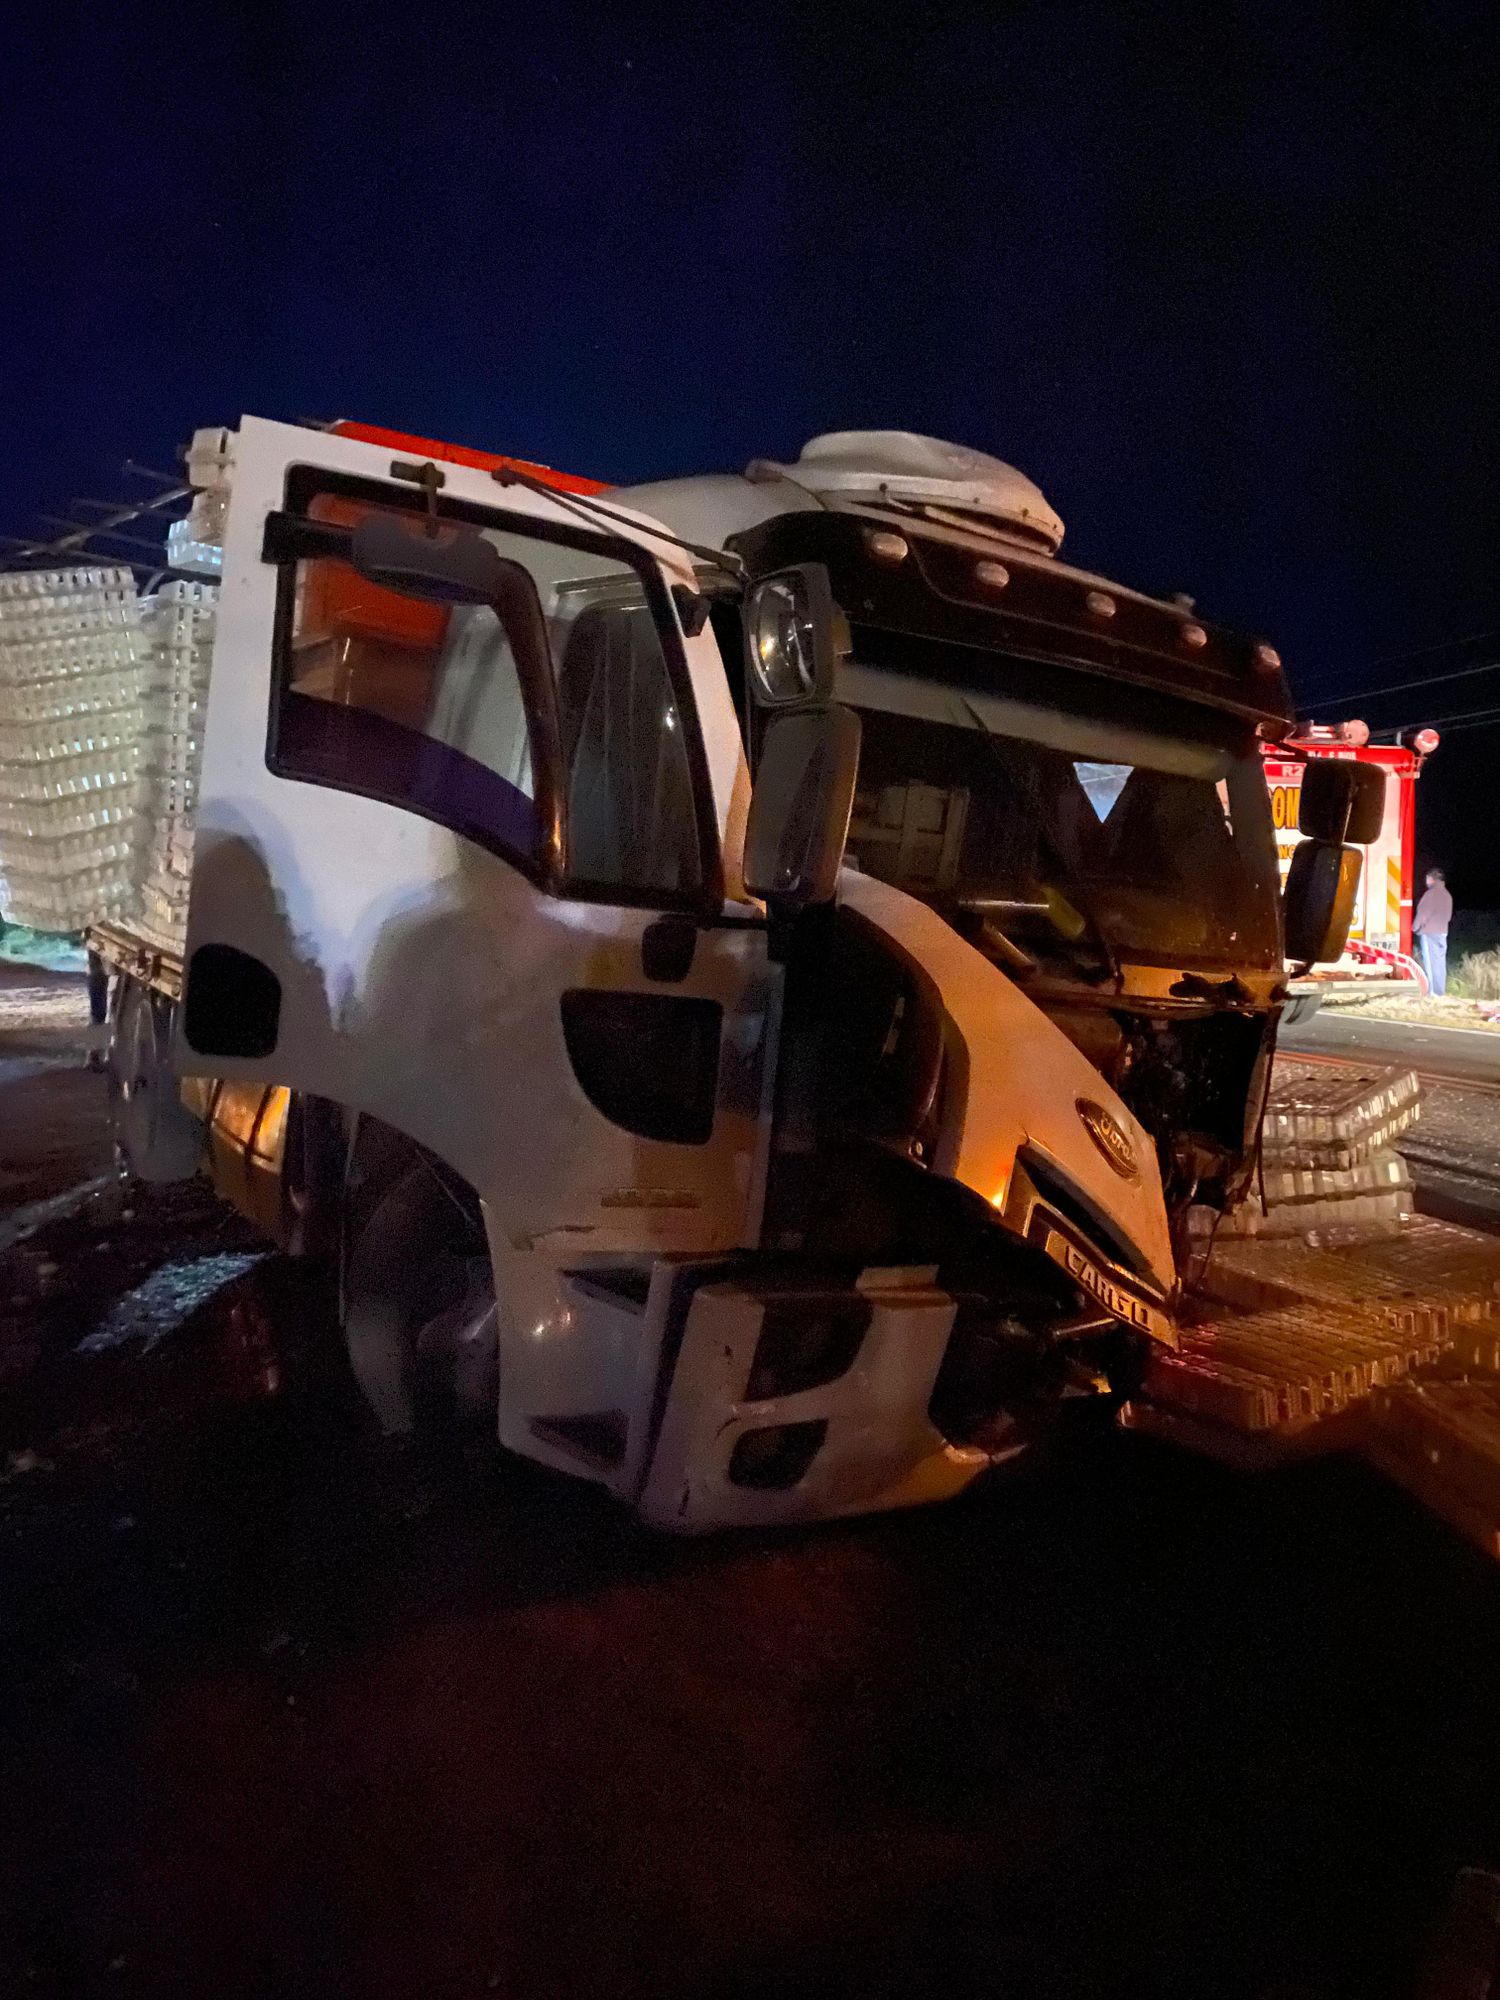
[{"x": 747, "y": 975}]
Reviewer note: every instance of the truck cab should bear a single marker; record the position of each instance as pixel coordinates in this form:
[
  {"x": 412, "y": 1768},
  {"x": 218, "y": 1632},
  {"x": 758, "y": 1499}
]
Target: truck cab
[
  {"x": 1066, "y": 771},
  {"x": 770, "y": 960}
]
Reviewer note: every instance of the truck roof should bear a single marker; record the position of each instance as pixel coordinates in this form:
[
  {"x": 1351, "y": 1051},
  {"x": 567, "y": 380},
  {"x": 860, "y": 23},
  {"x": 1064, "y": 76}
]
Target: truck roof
[{"x": 977, "y": 563}]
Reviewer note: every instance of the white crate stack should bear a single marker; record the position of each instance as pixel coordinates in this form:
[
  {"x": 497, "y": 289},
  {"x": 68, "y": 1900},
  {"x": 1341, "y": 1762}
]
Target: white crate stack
[
  {"x": 72, "y": 668},
  {"x": 179, "y": 623},
  {"x": 1330, "y": 1173}
]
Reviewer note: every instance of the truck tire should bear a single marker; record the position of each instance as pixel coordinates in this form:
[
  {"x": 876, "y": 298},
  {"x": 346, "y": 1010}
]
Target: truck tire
[
  {"x": 159, "y": 1137},
  {"x": 312, "y": 1177},
  {"x": 415, "y": 1293},
  {"x": 1300, "y": 1008}
]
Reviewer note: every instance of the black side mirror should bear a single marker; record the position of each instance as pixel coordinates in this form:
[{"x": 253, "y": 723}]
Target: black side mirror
[
  {"x": 1318, "y": 904},
  {"x": 454, "y": 566},
  {"x": 1341, "y": 800},
  {"x": 794, "y": 633},
  {"x": 799, "y": 810}
]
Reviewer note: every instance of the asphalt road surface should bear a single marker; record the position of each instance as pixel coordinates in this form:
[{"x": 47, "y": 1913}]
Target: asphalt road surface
[
  {"x": 285, "y": 1714},
  {"x": 1455, "y": 1055}
]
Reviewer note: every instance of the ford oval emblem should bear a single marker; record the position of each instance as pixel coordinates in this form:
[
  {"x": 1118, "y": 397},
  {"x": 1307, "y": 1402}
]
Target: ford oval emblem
[{"x": 1110, "y": 1136}]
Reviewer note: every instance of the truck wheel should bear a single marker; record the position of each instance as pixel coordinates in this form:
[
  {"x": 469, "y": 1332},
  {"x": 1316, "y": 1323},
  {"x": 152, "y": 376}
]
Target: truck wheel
[
  {"x": 1300, "y": 1007},
  {"x": 417, "y": 1304},
  {"x": 312, "y": 1178},
  {"x": 160, "y": 1138}
]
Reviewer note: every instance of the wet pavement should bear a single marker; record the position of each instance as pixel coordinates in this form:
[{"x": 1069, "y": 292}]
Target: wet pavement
[{"x": 283, "y": 1713}]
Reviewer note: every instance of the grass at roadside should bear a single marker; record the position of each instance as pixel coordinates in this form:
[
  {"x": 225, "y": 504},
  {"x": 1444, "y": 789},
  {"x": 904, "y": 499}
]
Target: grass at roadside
[{"x": 1452, "y": 1011}]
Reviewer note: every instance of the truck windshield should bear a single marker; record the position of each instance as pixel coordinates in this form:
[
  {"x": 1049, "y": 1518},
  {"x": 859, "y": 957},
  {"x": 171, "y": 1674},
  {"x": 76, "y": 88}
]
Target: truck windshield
[{"x": 1077, "y": 840}]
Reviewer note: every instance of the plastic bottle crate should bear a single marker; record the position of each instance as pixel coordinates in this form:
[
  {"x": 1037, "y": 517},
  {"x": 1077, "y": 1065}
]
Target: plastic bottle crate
[
  {"x": 171, "y": 746},
  {"x": 1337, "y": 1219},
  {"x": 162, "y": 919},
  {"x": 1284, "y": 1182},
  {"x": 65, "y": 738},
  {"x": 56, "y": 859},
  {"x": 1442, "y": 1260},
  {"x": 170, "y": 844},
  {"x": 172, "y": 802},
  {"x": 173, "y": 742},
  {"x": 51, "y": 628},
  {"x": 1434, "y": 1277},
  {"x": 56, "y": 702},
  {"x": 1283, "y": 1368},
  {"x": 73, "y": 656},
  {"x": 168, "y": 914},
  {"x": 1476, "y": 1346},
  {"x": 179, "y": 627},
  {"x": 36, "y": 662},
  {"x": 72, "y": 778},
  {"x": 50, "y": 819},
  {"x": 82, "y": 898},
  {"x": 170, "y": 790},
  {"x": 1338, "y": 1120},
  {"x": 183, "y": 594},
  {"x": 101, "y": 580},
  {"x": 180, "y": 623},
  {"x": 169, "y": 869},
  {"x": 47, "y": 629},
  {"x": 170, "y": 911}
]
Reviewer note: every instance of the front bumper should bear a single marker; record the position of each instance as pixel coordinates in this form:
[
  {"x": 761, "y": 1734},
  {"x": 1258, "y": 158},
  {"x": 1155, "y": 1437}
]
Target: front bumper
[
  {"x": 864, "y": 1440},
  {"x": 874, "y": 1445}
]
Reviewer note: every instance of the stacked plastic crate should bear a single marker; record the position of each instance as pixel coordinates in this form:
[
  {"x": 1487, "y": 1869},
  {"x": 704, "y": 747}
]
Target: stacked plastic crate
[
  {"x": 1319, "y": 1291},
  {"x": 1330, "y": 1173},
  {"x": 196, "y": 542},
  {"x": 72, "y": 660},
  {"x": 179, "y": 623}
]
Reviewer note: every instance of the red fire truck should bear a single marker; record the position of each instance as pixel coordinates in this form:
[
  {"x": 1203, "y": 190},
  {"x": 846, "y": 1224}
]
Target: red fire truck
[{"x": 1380, "y": 940}]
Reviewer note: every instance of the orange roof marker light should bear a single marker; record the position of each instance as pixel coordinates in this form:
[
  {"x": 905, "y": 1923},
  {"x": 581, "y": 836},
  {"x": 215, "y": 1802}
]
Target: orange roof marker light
[{"x": 462, "y": 454}]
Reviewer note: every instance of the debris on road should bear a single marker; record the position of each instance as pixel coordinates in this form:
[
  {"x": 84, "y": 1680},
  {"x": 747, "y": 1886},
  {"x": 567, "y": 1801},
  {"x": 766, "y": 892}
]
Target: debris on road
[{"x": 163, "y": 1301}]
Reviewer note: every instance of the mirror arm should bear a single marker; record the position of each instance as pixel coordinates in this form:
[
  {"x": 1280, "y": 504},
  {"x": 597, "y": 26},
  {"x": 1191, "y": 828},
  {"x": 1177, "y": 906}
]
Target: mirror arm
[{"x": 290, "y": 538}]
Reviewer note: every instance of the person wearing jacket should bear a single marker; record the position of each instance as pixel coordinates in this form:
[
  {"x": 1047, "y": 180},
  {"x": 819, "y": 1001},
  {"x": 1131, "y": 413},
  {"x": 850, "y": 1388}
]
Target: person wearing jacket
[{"x": 1430, "y": 929}]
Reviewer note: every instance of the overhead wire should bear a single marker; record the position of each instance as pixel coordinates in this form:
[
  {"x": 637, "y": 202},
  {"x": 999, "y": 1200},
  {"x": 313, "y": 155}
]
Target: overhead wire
[
  {"x": 1441, "y": 646},
  {"x": 1468, "y": 718},
  {"x": 1406, "y": 687}
]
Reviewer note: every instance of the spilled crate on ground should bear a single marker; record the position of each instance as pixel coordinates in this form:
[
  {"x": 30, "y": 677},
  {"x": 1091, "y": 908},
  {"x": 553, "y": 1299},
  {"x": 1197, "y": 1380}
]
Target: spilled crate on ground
[{"x": 1327, "y": 1316}]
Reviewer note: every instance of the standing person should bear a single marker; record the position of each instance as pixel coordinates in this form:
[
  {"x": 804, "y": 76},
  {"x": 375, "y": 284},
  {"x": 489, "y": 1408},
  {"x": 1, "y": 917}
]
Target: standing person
[
  {"x": 98, "y": 1004},
  {"x": 1430, "y": 929}
]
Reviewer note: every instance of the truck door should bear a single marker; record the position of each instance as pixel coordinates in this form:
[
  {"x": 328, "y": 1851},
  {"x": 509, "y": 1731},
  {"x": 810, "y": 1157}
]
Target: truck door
[{"x": 458, "y": 857}]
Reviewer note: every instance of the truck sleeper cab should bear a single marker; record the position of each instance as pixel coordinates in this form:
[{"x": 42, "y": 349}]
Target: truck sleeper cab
[{"x": 750, "y": 1210}]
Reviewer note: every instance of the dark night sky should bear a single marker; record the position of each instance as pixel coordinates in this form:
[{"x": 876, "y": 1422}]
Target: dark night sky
[{"x": 1220, "y": 276}]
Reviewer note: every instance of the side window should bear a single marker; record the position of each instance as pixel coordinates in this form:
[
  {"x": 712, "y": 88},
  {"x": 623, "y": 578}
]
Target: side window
[
  {"x": 477, "y": 716},
  {"x": 419, "y": 703}
]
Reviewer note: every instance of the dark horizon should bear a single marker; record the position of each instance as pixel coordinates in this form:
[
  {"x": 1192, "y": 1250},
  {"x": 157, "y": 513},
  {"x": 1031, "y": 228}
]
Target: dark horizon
[{"x": 1218, "y": 279}]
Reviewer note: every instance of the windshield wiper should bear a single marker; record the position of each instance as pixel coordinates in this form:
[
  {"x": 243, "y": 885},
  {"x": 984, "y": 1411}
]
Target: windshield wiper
[
  {"x": 597, "y": 514},
  {"x": 1032, "y": 798}
]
